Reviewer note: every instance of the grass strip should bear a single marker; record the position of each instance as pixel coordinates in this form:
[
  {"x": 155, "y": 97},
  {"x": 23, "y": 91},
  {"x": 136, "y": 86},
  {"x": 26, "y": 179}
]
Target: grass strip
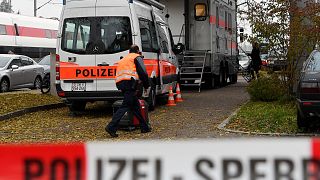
[
  {"x": 14, "y": 102},
  {"x": 266, "y": 117}
]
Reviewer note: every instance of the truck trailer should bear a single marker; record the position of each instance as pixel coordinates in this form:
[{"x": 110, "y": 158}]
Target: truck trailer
[{"x": 206, "y": 32}]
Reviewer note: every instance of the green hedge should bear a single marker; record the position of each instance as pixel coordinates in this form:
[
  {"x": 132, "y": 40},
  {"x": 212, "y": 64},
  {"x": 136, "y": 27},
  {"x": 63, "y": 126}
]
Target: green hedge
[{"x": 267, "y": 88}]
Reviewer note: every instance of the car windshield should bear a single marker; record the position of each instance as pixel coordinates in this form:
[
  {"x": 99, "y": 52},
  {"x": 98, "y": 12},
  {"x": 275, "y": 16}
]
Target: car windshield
[
  {"x": 96, "y": 35},
  {"x": 45, "y": 61},
  {"x": 314, "y": 62},
  {"x": 4, "y": 61}
]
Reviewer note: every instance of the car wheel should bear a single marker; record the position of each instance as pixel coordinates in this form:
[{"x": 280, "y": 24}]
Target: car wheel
[
  {"x": 301, "y": 122},
  {"x": 37, "y": 83},
  {"x": 77, "y": 106},
  {"x": 4, "y": 85},
  {"x": 151, "y": 100}
]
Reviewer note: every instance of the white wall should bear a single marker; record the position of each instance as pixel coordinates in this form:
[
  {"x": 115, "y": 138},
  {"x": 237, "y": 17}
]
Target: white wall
[{"x": 175, "y": 8}]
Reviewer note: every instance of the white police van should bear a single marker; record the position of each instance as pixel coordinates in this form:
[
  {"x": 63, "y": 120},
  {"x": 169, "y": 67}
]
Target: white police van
[{"x": 95, "y": 34}]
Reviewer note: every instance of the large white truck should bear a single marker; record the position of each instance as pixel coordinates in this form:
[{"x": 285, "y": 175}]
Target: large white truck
[
  {"x": 208, "y": 31},
  {"x": 95, "y": 34}
]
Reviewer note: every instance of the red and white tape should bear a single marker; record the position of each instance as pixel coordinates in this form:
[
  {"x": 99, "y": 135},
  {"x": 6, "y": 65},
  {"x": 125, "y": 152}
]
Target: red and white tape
[{"x": 224, "y": 159}]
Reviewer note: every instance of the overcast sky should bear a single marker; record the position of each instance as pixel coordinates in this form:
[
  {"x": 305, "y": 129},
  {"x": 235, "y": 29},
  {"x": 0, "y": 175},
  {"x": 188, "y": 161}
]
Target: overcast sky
[{"x": 25, "y": 7}]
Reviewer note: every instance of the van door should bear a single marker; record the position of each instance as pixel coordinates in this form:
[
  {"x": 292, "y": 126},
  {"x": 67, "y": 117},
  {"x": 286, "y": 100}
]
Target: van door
[
  {"x": 114, "y": 30},
  {"x": 165, "y": 64},
  {"x": 77, "y": 55},
  {"x": 199, "y": 25}
]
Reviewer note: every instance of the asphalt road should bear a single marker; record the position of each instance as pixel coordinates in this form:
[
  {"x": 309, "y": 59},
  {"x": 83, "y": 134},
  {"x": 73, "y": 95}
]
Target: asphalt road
[{"x": 196, "y": 117}]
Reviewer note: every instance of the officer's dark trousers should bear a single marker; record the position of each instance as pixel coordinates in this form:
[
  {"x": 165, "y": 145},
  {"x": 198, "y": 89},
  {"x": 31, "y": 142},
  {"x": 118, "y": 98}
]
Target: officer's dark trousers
[{"x": 130, "y": 102}]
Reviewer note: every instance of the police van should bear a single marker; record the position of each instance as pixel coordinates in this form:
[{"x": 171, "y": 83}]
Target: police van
[{"x": 95, "y": 34}]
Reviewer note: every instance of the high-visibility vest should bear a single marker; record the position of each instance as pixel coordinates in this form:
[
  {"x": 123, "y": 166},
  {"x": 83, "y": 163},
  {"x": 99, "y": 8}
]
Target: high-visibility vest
[{"x": 126, "y": 68}]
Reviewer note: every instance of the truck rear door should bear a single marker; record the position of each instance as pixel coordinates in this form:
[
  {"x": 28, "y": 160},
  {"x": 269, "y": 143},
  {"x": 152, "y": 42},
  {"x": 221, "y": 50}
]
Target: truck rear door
[{"x": 199, "y": 25}]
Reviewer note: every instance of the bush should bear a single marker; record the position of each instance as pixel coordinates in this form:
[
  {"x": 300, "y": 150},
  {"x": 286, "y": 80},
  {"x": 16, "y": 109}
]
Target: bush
[{"x": 267, "y": 88}]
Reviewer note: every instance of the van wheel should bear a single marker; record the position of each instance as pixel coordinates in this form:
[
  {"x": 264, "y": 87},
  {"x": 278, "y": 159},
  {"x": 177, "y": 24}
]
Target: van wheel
[
  {"x": 77, "y": 105},
  {"x": 151, "y": 100},
  {"x": 301, "y": 122},
  {"x": 4, "y": 85}
]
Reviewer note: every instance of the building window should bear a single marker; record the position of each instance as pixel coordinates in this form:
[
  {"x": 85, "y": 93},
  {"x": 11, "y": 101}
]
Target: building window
[
  {"x": 226, "y": 20},
  {"x": 200, "y": 11},
  {"x": 230, "y": 21},
  {"x": 217, "y": 16},
  {"x": 3, "y": 30}
]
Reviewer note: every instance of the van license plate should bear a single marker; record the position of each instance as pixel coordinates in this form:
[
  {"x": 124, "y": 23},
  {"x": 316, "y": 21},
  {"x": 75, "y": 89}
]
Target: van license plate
[{"x": 78, "y": 87}]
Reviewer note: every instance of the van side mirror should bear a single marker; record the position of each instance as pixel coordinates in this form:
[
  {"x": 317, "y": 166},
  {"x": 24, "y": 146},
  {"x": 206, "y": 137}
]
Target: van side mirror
[
  {"x": 178, "y": 48},
  {"x": 13, "y": 67}
]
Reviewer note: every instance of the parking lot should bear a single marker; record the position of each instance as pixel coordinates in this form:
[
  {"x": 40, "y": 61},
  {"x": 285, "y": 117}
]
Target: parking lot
[{"x": 197, "y": 117}]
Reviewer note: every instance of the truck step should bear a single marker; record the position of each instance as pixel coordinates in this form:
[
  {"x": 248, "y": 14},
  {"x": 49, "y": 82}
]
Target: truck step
[
  {"x": 182, "y": 73},
  {"x": 188, "y": 67},
  {"x": 188, "y": 79},
  {"x": 198, "y": 84},
  {"x": 191, "y": 61},
  {"x": 194, "y": 56}
]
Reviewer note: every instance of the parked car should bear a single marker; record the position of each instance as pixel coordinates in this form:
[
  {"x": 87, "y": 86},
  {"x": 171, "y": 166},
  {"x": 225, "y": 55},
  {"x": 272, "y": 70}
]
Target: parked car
[
  {"x": 264, "y": 58},
  {"x": 244, "y": 61},
  {"x": 275, "y": 61},
  {"x": 45, "y": 63},
  {"x": 308, "y": 92},
  {"x": 18, "y": 71}
]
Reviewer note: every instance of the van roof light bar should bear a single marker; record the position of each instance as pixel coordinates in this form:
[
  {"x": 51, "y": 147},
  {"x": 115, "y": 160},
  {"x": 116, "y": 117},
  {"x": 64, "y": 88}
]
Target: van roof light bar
[{"x": 152, "y": 3}]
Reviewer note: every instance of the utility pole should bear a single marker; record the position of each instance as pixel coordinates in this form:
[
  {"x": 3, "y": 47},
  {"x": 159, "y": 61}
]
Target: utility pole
[{"x": 35, "y": 8}]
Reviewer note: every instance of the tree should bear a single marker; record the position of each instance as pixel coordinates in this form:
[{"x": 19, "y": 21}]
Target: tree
[
  {"x": 5, "y": 6},
  {"x": 291, "y": 28}
]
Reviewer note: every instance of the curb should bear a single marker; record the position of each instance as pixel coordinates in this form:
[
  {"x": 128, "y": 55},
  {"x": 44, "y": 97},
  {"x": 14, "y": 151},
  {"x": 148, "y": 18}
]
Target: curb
[
  {"x": 30, "y": 110},
  {"x": 222, "y": 126}
]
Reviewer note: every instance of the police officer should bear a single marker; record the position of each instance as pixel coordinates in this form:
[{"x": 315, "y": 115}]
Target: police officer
[{"x": 130, "y": 70}]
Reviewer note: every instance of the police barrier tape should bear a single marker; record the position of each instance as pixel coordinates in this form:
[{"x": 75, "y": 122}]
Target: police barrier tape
[{"x": 224, "y": 159}]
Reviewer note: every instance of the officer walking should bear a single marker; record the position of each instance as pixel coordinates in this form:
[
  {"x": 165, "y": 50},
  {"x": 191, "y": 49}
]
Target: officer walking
[{"x": 130, "y": 70}]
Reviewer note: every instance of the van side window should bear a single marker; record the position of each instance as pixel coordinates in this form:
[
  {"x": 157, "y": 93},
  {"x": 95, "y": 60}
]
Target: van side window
[
  {"x": 3, "y": 30},
  {"x": 148, "y": 35},
  {"x": 163, "y": 38}
]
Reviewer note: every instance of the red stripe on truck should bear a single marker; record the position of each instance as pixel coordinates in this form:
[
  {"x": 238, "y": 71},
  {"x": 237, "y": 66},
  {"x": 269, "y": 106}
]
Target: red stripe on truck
[{"x": 31, "y": 32}]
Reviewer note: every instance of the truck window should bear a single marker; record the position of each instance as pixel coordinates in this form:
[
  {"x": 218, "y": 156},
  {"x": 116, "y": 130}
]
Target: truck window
[
  {"x": 163, "y": 38},
  {"x": 148, "y": 35},
  {"x": 3, "y": 30},
  {"x": 109, "y": 34},
  {"x": 217, "y": 16},
  {"x": 200, "y": 12}
]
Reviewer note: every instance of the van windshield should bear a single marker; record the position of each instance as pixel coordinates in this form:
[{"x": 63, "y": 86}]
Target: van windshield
[{"x": 96, "y": 35}]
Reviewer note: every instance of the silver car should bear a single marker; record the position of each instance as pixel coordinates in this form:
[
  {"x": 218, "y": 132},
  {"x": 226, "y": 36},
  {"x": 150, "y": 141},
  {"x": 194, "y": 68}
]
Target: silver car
[{"x": 17, "y": 71}]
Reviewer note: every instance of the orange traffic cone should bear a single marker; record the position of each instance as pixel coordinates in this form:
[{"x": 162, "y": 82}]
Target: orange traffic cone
[
  {"x": 171, "y": 98},
  {"x": 179, "y": 97}
]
